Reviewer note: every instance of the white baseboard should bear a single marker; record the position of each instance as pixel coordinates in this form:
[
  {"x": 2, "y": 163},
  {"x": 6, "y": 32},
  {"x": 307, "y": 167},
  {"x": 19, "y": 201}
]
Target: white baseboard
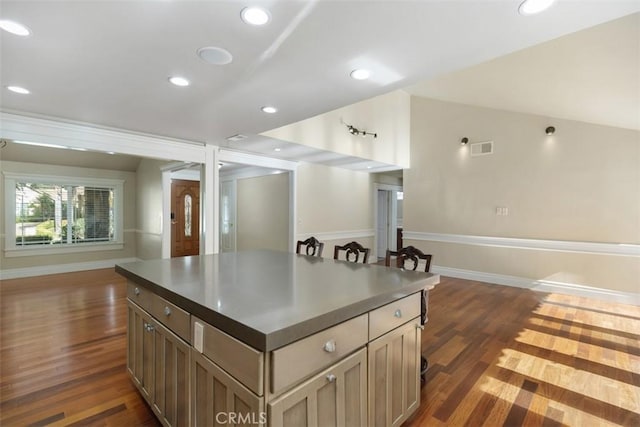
[
  {"x": 17, "y": 273},
  {"x": 541, "y": 285}
]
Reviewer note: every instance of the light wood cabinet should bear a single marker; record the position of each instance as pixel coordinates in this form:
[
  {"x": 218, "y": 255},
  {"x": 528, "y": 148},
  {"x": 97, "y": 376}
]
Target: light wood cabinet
[
  {"x": 158, "y": 362},
  {"x": 334, "y": 397},
  {"x": 394, "y": 375},
  {"x": 364, "y": 371},
  {"x": 171, "y": 375},
  {"x": 219, "y": 399},
  {"x": 140, "y": 351}
]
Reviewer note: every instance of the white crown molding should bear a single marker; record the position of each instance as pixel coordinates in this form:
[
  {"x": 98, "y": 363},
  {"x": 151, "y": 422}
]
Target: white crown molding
[
  {"x": 232, "y": 156},
  {"x": 17, "y": 273},
  {"x": 338, "y": 235},
  {"x": 82, "y": 135},
  {"x": 248, "y": 172},
  {"x": 618, "y": 249},
  {"x": 540, "y": 285}
]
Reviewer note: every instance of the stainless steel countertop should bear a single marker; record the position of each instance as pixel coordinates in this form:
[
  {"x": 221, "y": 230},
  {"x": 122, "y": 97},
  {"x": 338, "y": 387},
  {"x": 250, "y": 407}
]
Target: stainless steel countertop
[{"x": 269, "y": 299}]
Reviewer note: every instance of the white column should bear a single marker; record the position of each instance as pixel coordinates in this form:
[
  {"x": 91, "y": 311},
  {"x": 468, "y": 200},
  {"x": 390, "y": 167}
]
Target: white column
[{"x": 210, "y": 202}]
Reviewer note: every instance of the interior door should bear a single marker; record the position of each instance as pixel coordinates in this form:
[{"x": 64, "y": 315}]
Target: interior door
[
  {"x": 185, "y": 217},
  {"x": 227, "y": 216},
  {"x": 382, "y": 226}
]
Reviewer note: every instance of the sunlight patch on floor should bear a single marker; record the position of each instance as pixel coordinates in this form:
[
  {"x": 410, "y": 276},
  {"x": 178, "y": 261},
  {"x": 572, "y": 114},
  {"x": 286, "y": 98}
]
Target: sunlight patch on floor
[{"x": 576, "y": 380}]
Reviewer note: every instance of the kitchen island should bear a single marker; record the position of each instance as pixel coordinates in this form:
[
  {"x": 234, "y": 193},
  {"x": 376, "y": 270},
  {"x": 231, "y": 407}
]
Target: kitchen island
[{"x": 266, "y": 337}]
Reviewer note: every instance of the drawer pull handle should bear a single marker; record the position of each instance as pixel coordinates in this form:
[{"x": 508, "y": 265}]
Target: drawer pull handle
[
  {"x": 136, "y": 291},
  {"x": 398, "y": 313},
  {"x": 167, "y": 311},
  {"x": 331, "y": 378},
  {"x": 330, "y": 346}
]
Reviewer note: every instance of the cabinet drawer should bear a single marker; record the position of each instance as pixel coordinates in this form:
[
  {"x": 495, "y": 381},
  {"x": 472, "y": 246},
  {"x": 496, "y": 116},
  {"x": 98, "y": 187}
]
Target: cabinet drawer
[
  {"x": 244, "y": 363},
  {"x": 336, "y": 396},
  {"x": 139, "y": 295},
  {"x": 303, "y": 358},
  {"x": 172, "y": 316},
  {"x": 390, "y": 316}
]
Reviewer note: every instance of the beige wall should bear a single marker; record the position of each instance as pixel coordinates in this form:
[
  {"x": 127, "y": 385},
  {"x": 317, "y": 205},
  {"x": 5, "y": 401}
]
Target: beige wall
[
  {"x": 387, "y": 115},
  {"x": 332, "y": 201},
  {"x": 263, "y": 213},
  {"x": 129, "y": 250},
  {"x": 581, "y": 184},
  {"x": 149, "y": 209}
]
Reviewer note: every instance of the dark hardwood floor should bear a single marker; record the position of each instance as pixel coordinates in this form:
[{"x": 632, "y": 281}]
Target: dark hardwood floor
[{"x": 498, "y": 356}]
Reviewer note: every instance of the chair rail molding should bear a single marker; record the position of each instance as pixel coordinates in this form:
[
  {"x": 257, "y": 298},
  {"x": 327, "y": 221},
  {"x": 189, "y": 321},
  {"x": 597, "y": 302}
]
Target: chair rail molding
[
  {"x": 338, "y": 235},
  {"x": 618, "y": 249}
]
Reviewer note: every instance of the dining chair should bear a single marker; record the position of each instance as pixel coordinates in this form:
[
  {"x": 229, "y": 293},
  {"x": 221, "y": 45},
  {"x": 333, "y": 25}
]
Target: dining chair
[
  {"x": 352, "y": 250},
  {"x": 313, "y": 247},
  {"x": 408, "y": 254}
]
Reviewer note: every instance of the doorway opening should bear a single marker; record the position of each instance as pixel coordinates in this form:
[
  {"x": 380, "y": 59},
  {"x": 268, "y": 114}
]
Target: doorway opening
[
  {"x": 255, "y": 208},
  {"x": 388, "y": 218}
]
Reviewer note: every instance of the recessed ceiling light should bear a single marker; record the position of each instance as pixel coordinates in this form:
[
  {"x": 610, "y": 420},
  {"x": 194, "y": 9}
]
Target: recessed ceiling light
[
  {"x": 255, "y": 16},
  {"x": 531, "y": 7},
  {"x": 269, "y": 110},
  {"x": 179, "y": 81},
  {"x": 14, "y": 28},
  {"x": 360, "y": 74},
  {"x": 277, "y": 149},
  {"x": 215, "y": 55},
  {"x": 18, "y": 89}
]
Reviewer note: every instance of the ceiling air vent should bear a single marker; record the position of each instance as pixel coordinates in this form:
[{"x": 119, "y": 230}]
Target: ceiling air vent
[
  {"x": 237, "y": 137},
  {"x": 481, "y": 148}
]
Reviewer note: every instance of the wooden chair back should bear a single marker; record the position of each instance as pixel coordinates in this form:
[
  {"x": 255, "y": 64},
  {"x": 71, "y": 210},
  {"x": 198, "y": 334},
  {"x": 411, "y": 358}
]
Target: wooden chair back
[
  {"x": 411, "y": 254},
  {"x": 313, "y": 247},
  {"x": 352, "y": 250}
]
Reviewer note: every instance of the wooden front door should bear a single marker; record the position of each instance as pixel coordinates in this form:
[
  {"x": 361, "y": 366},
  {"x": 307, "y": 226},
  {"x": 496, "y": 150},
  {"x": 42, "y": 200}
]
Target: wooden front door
[{"x": 185, "y": 218}]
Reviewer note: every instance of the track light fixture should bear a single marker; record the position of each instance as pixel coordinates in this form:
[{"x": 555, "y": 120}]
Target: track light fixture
[
  {"x": 550, "y": 130},
  {"x": 355, "y": 131}
]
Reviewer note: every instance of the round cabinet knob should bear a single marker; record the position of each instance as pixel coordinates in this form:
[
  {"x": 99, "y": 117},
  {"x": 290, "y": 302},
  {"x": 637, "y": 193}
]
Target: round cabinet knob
[
  {"x": 136, "y": 291},
  {"x": 331, "y": 378},
  {"x": 330, "y": 346},
  {"x": 398, "y": 313},
  {"x": 167, "y": 311}
]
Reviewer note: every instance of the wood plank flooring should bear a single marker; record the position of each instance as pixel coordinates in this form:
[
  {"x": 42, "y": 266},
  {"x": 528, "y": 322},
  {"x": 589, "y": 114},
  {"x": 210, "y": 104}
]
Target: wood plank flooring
[{"x": 497, "y": 355}]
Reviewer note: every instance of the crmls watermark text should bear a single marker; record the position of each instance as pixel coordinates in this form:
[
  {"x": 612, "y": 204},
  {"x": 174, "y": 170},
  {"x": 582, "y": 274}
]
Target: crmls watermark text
[{"x": 239, "y": 418}]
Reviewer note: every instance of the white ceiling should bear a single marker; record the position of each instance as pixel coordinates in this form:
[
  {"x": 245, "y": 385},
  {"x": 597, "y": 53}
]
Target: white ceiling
[
  {"x": 591, "y": 76},
  {"x": 108, "y": 62}
]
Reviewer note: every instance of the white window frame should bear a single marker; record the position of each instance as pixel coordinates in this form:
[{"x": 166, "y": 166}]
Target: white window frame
[{"x": 13, "y": 250}]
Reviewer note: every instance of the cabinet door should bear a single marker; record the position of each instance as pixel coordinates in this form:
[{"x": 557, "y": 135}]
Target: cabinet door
[
  {"x": 394, "y": 375},
  {"x": 140, "y": 352},
  {"x": 171, "y": 391},
  {"x": 218, "y": 399},
  {"x": 334, "y": 397}
]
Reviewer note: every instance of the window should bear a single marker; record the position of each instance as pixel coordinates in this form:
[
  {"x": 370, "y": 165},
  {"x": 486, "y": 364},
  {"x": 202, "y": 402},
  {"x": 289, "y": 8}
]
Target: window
[{"x": 49, "y": 213}]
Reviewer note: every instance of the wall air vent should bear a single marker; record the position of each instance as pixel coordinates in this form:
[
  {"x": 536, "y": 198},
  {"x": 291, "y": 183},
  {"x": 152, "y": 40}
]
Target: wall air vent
[
  {"x": 481, "y": 148},
  {"x": 237, "y": 137}
]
